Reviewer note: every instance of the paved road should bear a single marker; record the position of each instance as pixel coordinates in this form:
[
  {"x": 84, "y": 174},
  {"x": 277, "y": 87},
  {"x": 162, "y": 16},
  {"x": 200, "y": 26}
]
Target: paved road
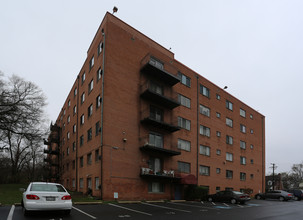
[{"x": 255, "y": 209}]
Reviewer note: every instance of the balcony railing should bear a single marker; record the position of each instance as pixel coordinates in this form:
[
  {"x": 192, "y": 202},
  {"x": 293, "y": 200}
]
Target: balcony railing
[
  {"x": 159, "y": 69},
  {"x": 166, "y": 100},
  {"x": 165, "y": 150},
  {"x": 168, "y": 124},
  {"x": 162, "y": 174}
]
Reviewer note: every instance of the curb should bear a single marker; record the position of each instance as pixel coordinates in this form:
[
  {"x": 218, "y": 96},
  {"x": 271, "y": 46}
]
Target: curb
[
  {"x": 177, "y": 201},
  {"x": 155, "y": 201},
  {"x": 128, "y": 202},
  {"x": 17, "y": 204}
]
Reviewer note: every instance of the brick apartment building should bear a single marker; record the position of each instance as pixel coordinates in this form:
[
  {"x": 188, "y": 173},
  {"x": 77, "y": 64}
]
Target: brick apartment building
[{"x": 138, "y": 124}]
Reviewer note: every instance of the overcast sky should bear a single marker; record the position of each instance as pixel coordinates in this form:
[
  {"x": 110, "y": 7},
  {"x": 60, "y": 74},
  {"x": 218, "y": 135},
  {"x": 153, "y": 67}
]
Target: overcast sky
[{"x": 252, "y": 46}]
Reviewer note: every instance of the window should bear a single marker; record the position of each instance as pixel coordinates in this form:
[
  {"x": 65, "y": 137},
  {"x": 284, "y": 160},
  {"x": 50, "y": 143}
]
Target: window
[
  {"x": 82, "y": 98},
  {"x": 74, "y": 183},
  {"x": 99, "y": 74},
  {"x": 218, "y": 189},
  {"x": 242, "y": 128},
  {"x": 229, "y": 122},
  {"x": 229, "y": 174},
  {"x": 204, "y": 110},
  {"x": 154, "y": 87},
  {"x": 251, "y": 131},
  {"x": 184, "y": 123},
  {"x": 184, "y": 100},
  {"x": 75, "y": 109},
  {"x": 68, "y": 119},
  {"x": 91, "y": 63},
  {"x": 155, "y": 164},
  {"x": 184, "y": 79},
  {"x": 251, "y": 176},
  {"x": 83, "y": 78},
  {"x": 204, "y": 170},
  {"x": 96, "y": 183},
  {"x": 183, "y": 167},
  {"x": 74, "y": 146},
  {"x": 218, "y": 152},
  {"x": 229, "y": 140},
  {"x": 204, "y": 131},
  {"x": 156, "y": 113},
  {"x": 251, "y": 146},
  {"x": 156, "y": 63},
  {"x": 204, "y": 91},
  {"x": 242, "y": 176},
  {"x": 82, "y": 119},
  {"x": 242, "y": 112},
  {"x": 252, "y": 161},
  {"x": 68, "y": 103},
  {"x": 229, "y": 105},
  {"x": 97, "y": 128},
  {"x": 64, "y": 111},
  {"x": 89, "y": 134},
  {"x": 218, "y": 170},
  {"x": 67, "y": 151},
  {"x": 74, "y": 164},
  {"x": 100, "y": 47},
  {"x": 218, "y": 96},
  {"x": 97, "y": 155},
  {"x": 68, "y": 135},
  {"x": 90, "y": 110},
  {"x": 218, "y": 115},
  {"x": 90, "y": 86},
  {"x": 243, "y": 145},
  {"x": 89, "y": 158},
  {"x": 81, "y": 183},
  {"x": 242, "y": 160},
  {"x": 156, "y": 187},
  {"x": 204, "y": 150},
  {"x": 81, "y": 140},
  {"x": 251, "y": 116},
  {"x": 183, "y": 145},
  {"x": 229, "y": 157},
  {"x": 98, "y": 101},
  {"x": 81, "y": 161},
  {"x": 156, "y": 140},
  {"x": 75, "y": 91},
  {"x": 74, "y": 128},
  {"x": 218, "y": 134}
]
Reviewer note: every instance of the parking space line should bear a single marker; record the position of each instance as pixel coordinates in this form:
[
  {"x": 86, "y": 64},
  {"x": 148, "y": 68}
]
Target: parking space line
[
  {"x": 79, "y": 210},
  {"x": 164, "y": 207},
  {"x": 11, "y": 212},
  {"x": 198, "y": 206},
  {"x": 133, "y": 210}
]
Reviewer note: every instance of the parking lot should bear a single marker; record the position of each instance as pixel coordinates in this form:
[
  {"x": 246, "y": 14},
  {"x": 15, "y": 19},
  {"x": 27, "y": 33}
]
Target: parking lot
[{"x": 255, "y": 209}]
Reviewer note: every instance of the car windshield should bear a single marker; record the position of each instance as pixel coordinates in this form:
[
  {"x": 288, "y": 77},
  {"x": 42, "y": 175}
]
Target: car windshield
[{"x": 47, "y": 188}]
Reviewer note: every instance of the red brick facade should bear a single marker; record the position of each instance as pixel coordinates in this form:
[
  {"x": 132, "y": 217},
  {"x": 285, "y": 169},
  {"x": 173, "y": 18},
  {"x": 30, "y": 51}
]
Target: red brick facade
[{"x": 146, "y": 114}]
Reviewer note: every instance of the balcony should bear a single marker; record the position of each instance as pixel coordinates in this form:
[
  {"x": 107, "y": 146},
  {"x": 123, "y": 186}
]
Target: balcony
[
  {"x": 50, "y": 151},
  {"x": 149, "y": 147},
  {"x": 163, "y": 174},
  {"x": 155, "y": 68},
  {"x": 148, "y": 118},
  {"x": 149, "y": 93}
]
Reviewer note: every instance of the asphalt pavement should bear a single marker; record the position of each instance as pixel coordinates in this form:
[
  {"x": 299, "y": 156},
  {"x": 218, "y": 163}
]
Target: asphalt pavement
[{"x": 255, "y": 209}]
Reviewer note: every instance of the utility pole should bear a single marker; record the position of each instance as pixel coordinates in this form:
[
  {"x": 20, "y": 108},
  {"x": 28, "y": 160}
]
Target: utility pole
[{"x": 273, "y": 175}]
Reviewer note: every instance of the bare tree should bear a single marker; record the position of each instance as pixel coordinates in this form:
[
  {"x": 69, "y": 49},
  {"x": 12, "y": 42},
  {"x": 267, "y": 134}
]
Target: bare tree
[{"x": 22, "y": 123}]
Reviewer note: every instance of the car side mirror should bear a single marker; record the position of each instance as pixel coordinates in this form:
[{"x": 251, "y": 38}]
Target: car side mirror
[{"x": 21, "y": 189}]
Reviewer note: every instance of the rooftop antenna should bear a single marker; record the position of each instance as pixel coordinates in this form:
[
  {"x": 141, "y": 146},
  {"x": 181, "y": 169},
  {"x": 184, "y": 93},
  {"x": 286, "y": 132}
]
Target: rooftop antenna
[{"x": 115, "y": 9}]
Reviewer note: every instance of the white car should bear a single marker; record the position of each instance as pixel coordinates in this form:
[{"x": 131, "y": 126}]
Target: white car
[{"x": 42, "y": 196}]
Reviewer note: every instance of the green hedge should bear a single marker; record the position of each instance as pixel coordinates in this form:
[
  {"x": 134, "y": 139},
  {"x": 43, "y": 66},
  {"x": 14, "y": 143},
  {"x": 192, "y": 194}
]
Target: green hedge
[{"x": 193, "y": 192}]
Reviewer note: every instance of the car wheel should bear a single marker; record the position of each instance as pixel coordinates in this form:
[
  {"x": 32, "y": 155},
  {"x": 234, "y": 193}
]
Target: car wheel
[
  {"x": 210, "y": 199},
  {"x": 67, "y": 212},
  {"x": 258, "y": 197},
  {"x": 296, "y": 198},
  {"x": 281, "y": 198},
  {"x": 25, "y": 212},
  {"x": 233, "y": 201}
]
